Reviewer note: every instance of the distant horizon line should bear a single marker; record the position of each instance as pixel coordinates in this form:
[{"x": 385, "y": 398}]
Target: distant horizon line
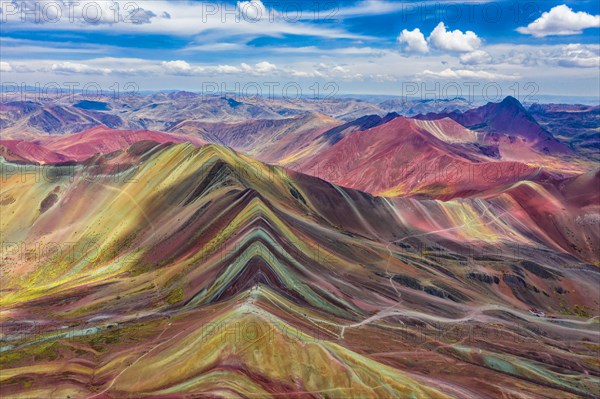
[{"x": 376, "y": 97}]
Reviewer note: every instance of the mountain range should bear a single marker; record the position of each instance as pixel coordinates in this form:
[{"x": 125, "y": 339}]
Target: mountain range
[{"x": 258, "y": 253}]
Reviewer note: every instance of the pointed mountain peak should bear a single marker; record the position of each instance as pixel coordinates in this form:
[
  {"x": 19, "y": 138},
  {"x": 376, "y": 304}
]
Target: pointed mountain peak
[
  {"x": 508, "y": 108},
  {"x": 512, "y": 102}
]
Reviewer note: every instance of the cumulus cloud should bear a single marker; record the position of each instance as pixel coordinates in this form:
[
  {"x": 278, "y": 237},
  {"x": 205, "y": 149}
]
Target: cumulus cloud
[
  {"x": 262, "y": 68},
  {"x": 265, "y": 67},
  {"x": 561, "y": 20},
  {"x": 455, "y": 40},
  {"x": 414, "y": 40},
  {"x": 69, "y": 68},
  {"x": 178, "y": 67},
  {"x": 475, "y": 58},
  {"x": 449, "y": 73},
  {"x": 440, "y": 39},
  {"x": 5, "y": 67}
]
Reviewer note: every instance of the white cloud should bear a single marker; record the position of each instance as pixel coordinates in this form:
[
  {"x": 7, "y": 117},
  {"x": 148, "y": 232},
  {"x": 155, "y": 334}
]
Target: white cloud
[
  {"x": 449, "y": 73},
  {"x": 363, "y": 8},
  {"x": 301, "y": 74},
  {"x": 475, "y": 58},
  {"x": 183, "y": 18},
  {"x": 5, "y": 67},
  {"x": 340, "y": 69},
  {"x": 68, "y": 68},
  {"x": 265, "y": 67},
  {"x": 519, "y": 57},
  {"x": 455, "y": 40},
  {"x": 227, "y": 69},
  {"x": 359, "y": 51},
  {"x": 306, "y": 74},
  {"x": 217, "y": 47},
  {"x": 569, "y": 56},
  {"x": 327, "y": 71},
  {"x": 442, "y": 39},
  {"x": 253, "y": 10},
  {"x": 414, "y": 40},
  {"x": 86, "y": 12},
  {"x": 579, "y": 56},
  {"x": 379, "y": 7},
  {"x": 262, "y": 68},
  {"x": 183, "y": 68},
  {"x": 178, "y": 67},
  {"x": 333, "y": 71},
  {"x": 561, "y": 20},
  {"x": 355, "y": 73}
]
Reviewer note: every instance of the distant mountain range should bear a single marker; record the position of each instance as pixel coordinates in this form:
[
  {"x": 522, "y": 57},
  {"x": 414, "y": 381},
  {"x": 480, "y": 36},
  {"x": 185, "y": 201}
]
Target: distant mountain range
[
  {"x": 577, "y": 125},
  {"x": 161, "y": 111},
  {"x": 433, "y": 155}
]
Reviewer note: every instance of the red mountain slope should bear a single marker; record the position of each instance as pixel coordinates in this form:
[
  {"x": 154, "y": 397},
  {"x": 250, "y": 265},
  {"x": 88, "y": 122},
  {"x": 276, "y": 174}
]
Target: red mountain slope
[
  {"x": 400, "y": 157},
  {"x": 28, "y": 152},
  {"x": 104, "y": 140}
]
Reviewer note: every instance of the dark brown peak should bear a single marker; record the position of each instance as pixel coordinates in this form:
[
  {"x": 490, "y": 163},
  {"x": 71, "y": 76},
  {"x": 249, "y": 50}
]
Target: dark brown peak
[
  {"x": 390, "y": 116},
  {"x": 511, "y": 101}
]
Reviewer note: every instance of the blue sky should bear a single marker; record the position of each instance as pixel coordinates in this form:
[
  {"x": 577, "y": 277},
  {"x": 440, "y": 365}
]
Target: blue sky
[{"x": 373, "y": 46}]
